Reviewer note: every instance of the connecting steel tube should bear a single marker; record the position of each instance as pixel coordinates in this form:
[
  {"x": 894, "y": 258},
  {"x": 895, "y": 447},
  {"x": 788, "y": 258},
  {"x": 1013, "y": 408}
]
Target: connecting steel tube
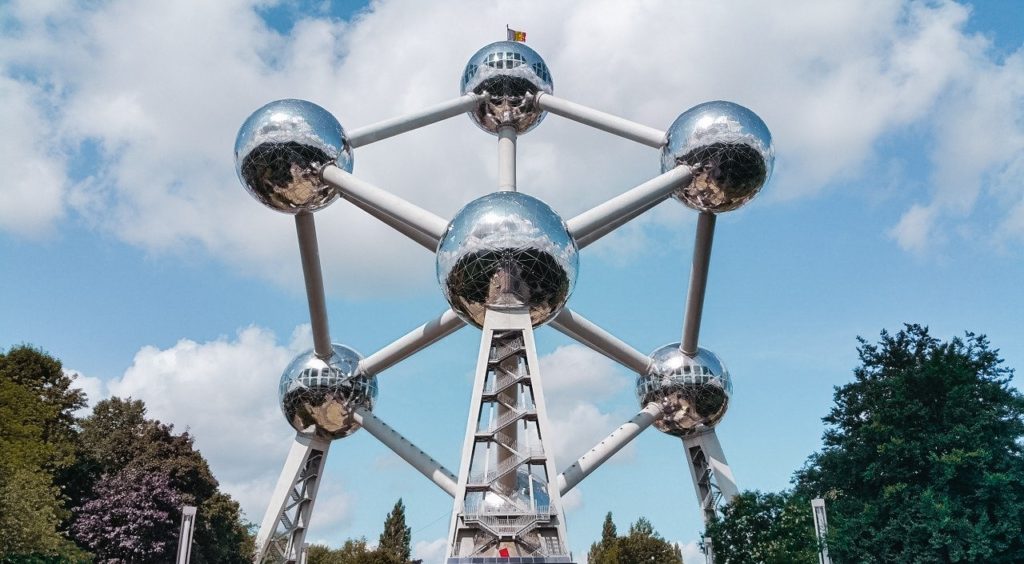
[
  {"x": 627, "y": 205},
  {"x": 400, "y": 214},
  {"x": 412, "y": 342},
  {"x": 507, "y": 158},
  {"x": 396, "y": 126},
  {"x": 587, "y": 333},
  {"x": 409, "y": 452},
  {"x": 698, "y": 282},
  {"x": 601, "y": 120},
  {"x": 607, "y": 448},
  {"x": 309, "y": 252}
]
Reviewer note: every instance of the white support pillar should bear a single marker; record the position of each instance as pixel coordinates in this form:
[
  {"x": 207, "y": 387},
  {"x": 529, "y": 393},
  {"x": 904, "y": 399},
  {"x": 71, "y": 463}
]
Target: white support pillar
[
  {"x": 409, "y": 452},
  {"x": 412, "y": 342},
  {"x": 188, "y": 524},
  {"x": 713, "y": 481},
  {"x": 592, "y": 221},
  {"x": 283, "y": 529},
  {"x": 394, "y": 211},
  {"x": 601, "y": 120},
  {"x": 507, "y": 158},
  {"x": 821, "y": 529},
  {"x": 390, "y": 128},
  {"x": 607, "y": 448},
  {"x": 309, "y": 252},
  {"x": 587, "y": 333},
  {"x": 698, "y": 282}
]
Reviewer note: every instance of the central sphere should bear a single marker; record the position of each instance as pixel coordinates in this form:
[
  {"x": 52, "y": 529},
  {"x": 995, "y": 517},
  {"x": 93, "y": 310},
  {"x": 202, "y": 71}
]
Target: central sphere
[
  {"x": 510, "y": 73},
  {"x": 693, "y": 391},
  {"x": 319, "y": 398},
  {"x": 507, "y": 250}
]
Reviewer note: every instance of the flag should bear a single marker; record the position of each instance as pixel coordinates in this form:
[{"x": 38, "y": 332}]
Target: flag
[{"x": 514, "y": 35}]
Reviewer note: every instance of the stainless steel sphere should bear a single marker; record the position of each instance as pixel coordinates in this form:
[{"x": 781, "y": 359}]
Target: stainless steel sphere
[
  {"x": 729, "y": 150},
  {"x": 694, "y": 392},
  {"x": 510, "y": 72},
  {"x": 318, "y": 398},
  {"x": 280, "y": 150},
  {"x": 507, "y": 250}
]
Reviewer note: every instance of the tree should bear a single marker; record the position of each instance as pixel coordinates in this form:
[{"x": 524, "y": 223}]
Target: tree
[
  {"x": 606, "y": 551},
  {"x": 396, "y": 539},
  {"x": 133, "y": 517},
  {"x": 771, "y": 528},
  {"x": 220, "y": 534},
  {"x": 922, "y": 460},
  {"x": 644, "y": 545}
]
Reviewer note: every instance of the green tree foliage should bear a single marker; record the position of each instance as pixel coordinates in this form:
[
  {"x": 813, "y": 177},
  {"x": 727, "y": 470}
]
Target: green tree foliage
[
  {"x": 396, "y": 539},
  {"x": 642, "y": 545},
  {"x": 221, "y": 535},
  {"x": 354, "y": 551},
  {"x": 770, "y": 528},
  {"x": 36, "y": 406},
  {"x": 922, "y": 460}
]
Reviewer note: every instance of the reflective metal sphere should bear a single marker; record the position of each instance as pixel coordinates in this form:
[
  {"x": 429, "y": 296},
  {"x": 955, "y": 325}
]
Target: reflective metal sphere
[
  {"x": 694, "y": 392},
  {"x": 729, "y": 150},
  {"x": 280, "y": 150},
  {"x": 318, "y": 398},
  {"x": 507, "y": 250},
  {"x": 511, "y": 73}
]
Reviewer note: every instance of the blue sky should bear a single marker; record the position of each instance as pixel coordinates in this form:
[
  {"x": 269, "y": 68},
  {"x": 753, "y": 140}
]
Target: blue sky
[{"x": 130, "y": 251}]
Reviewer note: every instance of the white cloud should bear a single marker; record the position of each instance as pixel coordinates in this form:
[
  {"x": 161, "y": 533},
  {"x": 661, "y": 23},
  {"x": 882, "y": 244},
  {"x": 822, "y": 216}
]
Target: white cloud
[
  {"x": 430, "y": 552},
  {"x": 162, "y": 88},
  {"x": 692, "y": 553},
  {"x": 94, "y": 388},
  {"x": 914, "y": 230}
]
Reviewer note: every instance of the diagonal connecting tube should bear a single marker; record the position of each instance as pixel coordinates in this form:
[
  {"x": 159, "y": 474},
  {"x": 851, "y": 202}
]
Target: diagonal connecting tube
[
  {"x": 309, "y": 252},
  {"x": 601, "y": 120},
  {"x": 396, "y": 126},
  {"x": 607, "y": 448},
  {"x": 412, "y": 342},
  {"x": 586, "y": 333},
  {"x": 698, "y": 282},
  {"x": 405, "y": 217},
  {"x": 598, "y": 221},
  {"x": 409, "y": 452}
]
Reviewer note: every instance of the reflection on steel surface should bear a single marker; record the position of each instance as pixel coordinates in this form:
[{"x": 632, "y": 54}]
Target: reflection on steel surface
[
  {"x": 318, "y": 398},
  {"x": 510, "y": 73},
  {"x": 694, "y": 392},
  {"x": 507, "y": 250},
  {"x": 280, "y": 150},
  {"x": 729, "y": 150}
]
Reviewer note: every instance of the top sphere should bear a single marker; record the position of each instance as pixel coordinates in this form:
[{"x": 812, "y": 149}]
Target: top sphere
[
  {"x": 280, "y": 150},
  {"x": 694, "y": 392},
  {"x": 729, "y": 150},
  {"x": 507, "y": 250},
  {"x": 319, "y": 398},
  {"x": 510, "y": 72}
]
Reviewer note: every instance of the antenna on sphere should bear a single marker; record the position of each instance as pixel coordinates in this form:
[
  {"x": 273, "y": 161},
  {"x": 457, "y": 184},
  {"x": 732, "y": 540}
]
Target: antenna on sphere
[{"x": 507, "y": 263}]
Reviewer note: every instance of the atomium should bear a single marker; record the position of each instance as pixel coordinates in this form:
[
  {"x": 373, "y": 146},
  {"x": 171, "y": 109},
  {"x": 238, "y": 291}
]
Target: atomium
[
  {"x": 728, "y": 148},
  {"x": 280, "y": 150},
  {"x": 693, "y": 391},
  {"x": 510, "y": 73},
  {"x": 507, "y": 250},
  {"x": 319, "y": 398}
]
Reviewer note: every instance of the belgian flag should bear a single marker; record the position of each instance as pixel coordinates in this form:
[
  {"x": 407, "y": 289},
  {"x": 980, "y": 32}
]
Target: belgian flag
[{"x": 514, "y": 35}]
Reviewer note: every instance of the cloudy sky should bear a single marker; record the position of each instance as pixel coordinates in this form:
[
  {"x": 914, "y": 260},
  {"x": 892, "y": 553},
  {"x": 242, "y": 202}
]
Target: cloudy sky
[{"x": 130, "y": 251}]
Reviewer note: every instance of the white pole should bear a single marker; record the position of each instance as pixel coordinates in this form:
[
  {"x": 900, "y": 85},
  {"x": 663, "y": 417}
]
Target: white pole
[
  {"x": 587, "y": 333},
  {"x": 395, "y": 208},
  {"x": 698, "y": 282},
  {"x": 607, "y": 448},
  {"x": 188, "y": 522},
  {"x": 396, "y": 126},
  {"x": 309, "y": 252},
  {"x": 409, "y": 452},
  {"x": 507, "y": 158},
  {"x": 412, "y": 342},
  {"x": 601, "y": 120},
  {"x": 627, "y": 204}
]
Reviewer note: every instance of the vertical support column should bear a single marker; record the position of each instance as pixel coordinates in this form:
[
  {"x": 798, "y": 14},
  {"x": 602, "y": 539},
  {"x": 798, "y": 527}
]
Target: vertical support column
[
  {"x": 507, "y": 158},
  {"x": 821, "y": 529},
  {"x": 510, "y": 506},
  {"x": 698, "y": 281},
  {"x": 284, "y": 525},
  {"x": 188, "y": 522},
  {"x": 712, "y": 478}
]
